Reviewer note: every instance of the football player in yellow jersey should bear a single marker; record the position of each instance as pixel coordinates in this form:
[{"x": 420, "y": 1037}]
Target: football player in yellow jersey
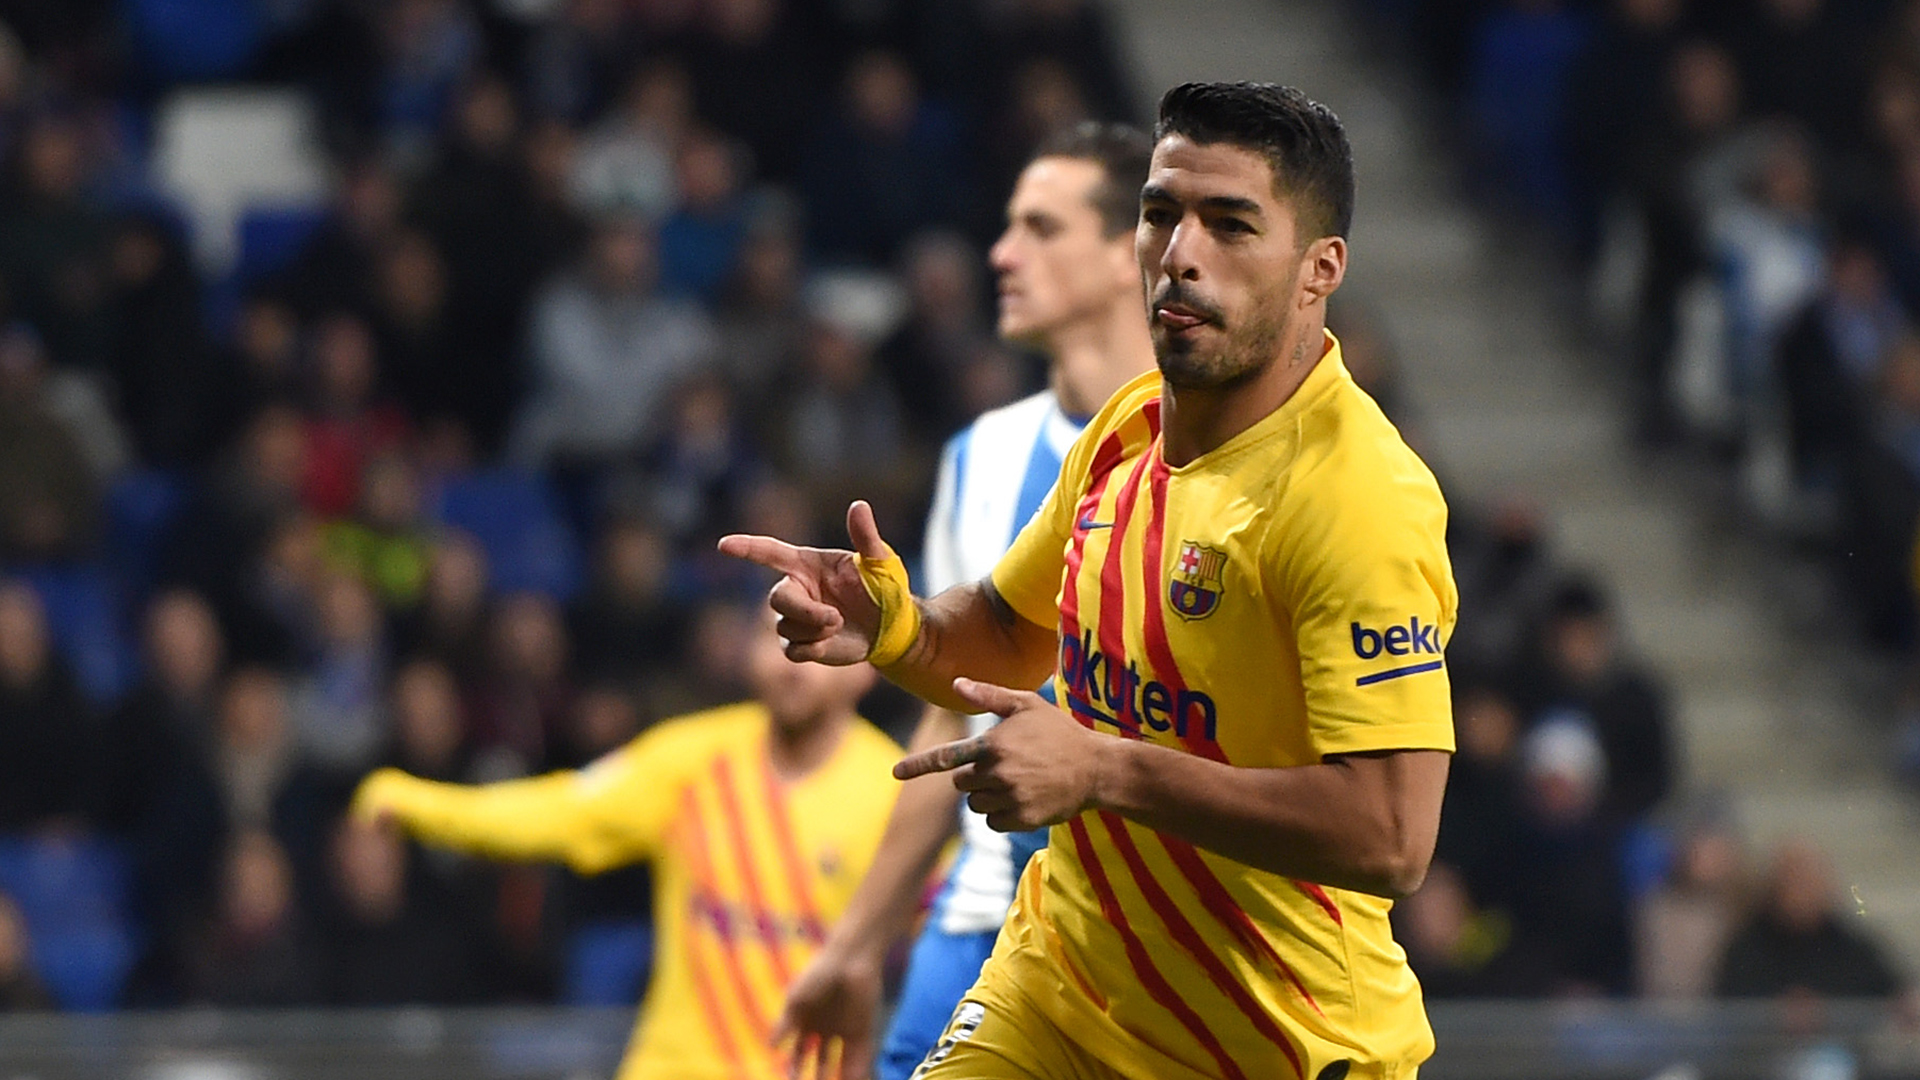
[
  {"x": 1242, "y": 581},
  {"x": 759, "y": 820}
]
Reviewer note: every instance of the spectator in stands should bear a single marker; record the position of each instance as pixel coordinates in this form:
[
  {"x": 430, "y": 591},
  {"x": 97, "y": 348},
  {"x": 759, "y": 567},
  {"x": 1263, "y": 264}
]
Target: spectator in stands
[
  {"x": 261, "y": 780},
  {"x": 519, "y": 705},
  {"x": 626, "y": 163},
  {"x": 701, "y": 466},
  {"x": 20, "y": 989},
  {"x": 54, "y": 240},
  {"x": 450, "y": 623},
  {"x": 260, "y": 367},
  {"x": 392, "y": 938},
  {"x": 49, "y": 484},
  {"x": 885, "y": 166},
  {"x": 763, "y": 320},
  {"x": 1681, "y": 927},
  {"x": 159, "y": 359},
  {"x": 1881, "y": 499},
  {"x": 337, "y": 703},
  {"x": 1801, "y": 62},
  {"x": 1830, "y": 358},
  {"x": 606, "y": 348},
  {"x": 1481, "y": 815},
  {"x": 1611, "y": 89},
  {"x": 1799, "y": 942},
  {"x": 337, "y": 268},
  {"x": 426, "y": 723},
  {"x": 428, "y": 47},
  {"x": 47, "y": 739},
  {"x": 1585, "y": 674},
  {"x": 700, "y": 239},
  {"x": 1518, "y": 75},
  {"x": 349, "y": 419},
  {"x": 575, "y": 60},
  {"x": 944, "y": 327},
  {"x": 1078, "y": 35},
  {"x": 386, "y": 544},
  {"x": 256, "y": 950},
  {"x": 1565, "y": 893},
  {"x": 627, "y": 625},
  {"x": 757, "y": 74},
  {"x": 425, "y": 352},
  {"x": 1504, "y": 566}
]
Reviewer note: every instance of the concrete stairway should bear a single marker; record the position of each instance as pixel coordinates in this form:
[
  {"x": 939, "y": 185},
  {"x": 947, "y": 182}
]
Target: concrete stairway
[{"x": 1772, "y": 710}]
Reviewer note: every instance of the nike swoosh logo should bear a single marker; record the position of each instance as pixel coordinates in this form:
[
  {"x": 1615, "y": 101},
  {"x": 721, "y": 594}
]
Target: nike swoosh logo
[{"x": 1087, "y": 524}]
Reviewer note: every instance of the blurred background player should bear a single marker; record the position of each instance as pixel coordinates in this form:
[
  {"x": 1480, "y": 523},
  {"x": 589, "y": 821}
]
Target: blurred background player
[
  {"x": 759, "y": 819},
  {"x": 1070, "y": 287}
]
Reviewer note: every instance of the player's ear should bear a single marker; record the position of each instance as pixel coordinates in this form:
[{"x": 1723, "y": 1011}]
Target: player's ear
[{"x": 1324, "y": 267}]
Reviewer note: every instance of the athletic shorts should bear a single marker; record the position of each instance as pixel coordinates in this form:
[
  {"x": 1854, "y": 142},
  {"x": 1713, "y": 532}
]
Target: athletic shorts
[{"x": 991, "y": 1042}]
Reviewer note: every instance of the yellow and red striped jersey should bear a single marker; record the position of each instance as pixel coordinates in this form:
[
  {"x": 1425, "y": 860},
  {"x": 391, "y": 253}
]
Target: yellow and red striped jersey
[
  {"x": 749, "y": 870},
  {"x": 1284, "y": 597}
]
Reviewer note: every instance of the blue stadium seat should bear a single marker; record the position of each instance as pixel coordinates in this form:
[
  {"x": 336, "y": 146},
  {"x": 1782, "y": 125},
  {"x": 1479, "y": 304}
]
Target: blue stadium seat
[
  {"x": 516, "y": 518},
  {"x": 607, "y": 963},
  {"x": 272, "y": 236},
  {"x": 141, "y": 508},
  {"x": 73, "y": 894},
  {"x": 84, "y": 620}
]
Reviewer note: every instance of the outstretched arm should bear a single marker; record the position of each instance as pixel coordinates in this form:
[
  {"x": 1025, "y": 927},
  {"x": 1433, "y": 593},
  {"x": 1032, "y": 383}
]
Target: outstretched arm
[
  {"x": 842, "y": 607},
  {"x": 1365, "y": 822}
]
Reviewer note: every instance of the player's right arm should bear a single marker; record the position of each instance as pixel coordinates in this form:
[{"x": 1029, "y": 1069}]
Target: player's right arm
[
  {"x": 592, "y": 819},
  {"x": 838, "y": 994},
  {"x": 842, "y": 607}
]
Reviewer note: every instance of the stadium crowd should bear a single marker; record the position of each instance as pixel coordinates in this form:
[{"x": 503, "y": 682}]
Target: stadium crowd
[{"x": 430, "y": 477}]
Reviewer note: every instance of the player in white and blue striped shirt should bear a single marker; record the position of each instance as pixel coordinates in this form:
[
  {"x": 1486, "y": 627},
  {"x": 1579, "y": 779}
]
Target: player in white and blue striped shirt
[{"x": 1068, "y": 285}]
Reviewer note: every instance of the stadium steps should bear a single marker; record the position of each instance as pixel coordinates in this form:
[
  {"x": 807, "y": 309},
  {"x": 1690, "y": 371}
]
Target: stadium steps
[{"x": 1507, "y": 401}]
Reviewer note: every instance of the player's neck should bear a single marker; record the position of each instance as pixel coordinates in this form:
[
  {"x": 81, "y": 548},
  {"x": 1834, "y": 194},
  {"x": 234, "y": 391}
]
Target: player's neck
[
  {"x": 1195, "y": 421},
  {"x": 1093, "y": 357},
  {"x": 797, "y": 752}
]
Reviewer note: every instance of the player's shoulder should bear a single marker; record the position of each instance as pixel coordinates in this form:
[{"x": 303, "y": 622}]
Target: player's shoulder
[
  {"x": 1347, "y": 443},
  {"x": 1130, "y": 415}
]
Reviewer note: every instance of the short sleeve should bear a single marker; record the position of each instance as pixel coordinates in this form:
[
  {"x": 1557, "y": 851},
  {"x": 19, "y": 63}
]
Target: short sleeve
[{"x": 1373, "y": 604}]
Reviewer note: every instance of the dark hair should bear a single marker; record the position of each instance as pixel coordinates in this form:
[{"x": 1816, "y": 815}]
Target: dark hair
[
  {"x": 1300, "y": 138},
  {"x": 1123, "y": 152}
]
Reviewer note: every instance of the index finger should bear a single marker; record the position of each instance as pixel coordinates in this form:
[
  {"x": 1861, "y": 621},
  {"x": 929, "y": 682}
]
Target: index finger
[
  {"x": 942, "y": 758},
  {"x": 769, "y": 552}
]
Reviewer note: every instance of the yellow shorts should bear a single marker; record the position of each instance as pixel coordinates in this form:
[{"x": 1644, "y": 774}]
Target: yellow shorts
[{"x": 993, "y": 1042}]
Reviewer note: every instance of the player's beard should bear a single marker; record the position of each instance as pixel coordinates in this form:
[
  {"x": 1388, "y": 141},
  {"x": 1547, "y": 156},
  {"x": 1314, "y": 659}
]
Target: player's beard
[{"x": 1237, "y": 355}]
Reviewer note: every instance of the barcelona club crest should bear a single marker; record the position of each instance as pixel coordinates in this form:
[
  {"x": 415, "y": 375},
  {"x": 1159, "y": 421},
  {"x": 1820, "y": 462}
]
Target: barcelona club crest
[{"x": 1194, "y": 589}]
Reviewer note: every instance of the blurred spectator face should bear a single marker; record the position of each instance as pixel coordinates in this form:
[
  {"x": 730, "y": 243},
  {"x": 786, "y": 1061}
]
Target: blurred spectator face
[
  {"x": 23, "y": 362},
  {"x": 940, "y": 279},
  {"x": 413, "y": 280},
  {"x": 800, "y": 696},
  {"x": 659, "y": 100},
  {"x": 349, "y": 614},
  {"x": 1706, "y": 88},
  {"x": 256, "y": 891},
  {"x": 634, "y": 560},
  {"x": 343, "y": 362},
  {"x": 604, "y": 719},
  {"x": 707, "y": 173},
  {"x": 703, "y": 415},
  {"x": 838, "y": 360},
  {"x": 370, "y": 200},
  {"x": 769, "y": 268},
  {"x": 14, "y": 956},
  {"x": 1047, "y": 99},
  {"x": 881, "y": 96},
  {"x": 23, "y": 635},
  {"x": 1650, "y": 14},
  {"x": 622, "y": 257},
  {"x": 370, "y": 864},
  {"x": 1895, "y": 108},
  {"x": 1900, "y": 379},
  {"x": 253, "y": 711},
  {"x": 1800, "y": 887},
  {"x": 550, "y": 149},
  {"x": 1854, "y": 275},
  {"x": 742, "y": 22},
  {"x": 1787, "y": 180},
  {"x": 426, "y": 717},
  {"x": 268, "y": 335},
  {"x": 293, "y": 555},
  {"x": 1582, "y": 647},
  {"x": 183, "y": 643},
  {"x": 390, "y": 494},
  {"x": 1565, "y": 772},
  {"x": 457, "y": 577},
  {"x": 54, "y": 158},
  {"x": 529, "y": 641},
  {"x": 139, "y": 253},
  {"x": 1710, "y": 860},
  {"x": 487, "y": 117},
  {"x": 1488, "y": 725},
  {"x": 776, "y": 505},
  {"x": 276, "y": 448},
  {"x": 1054, "y": 265}
]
